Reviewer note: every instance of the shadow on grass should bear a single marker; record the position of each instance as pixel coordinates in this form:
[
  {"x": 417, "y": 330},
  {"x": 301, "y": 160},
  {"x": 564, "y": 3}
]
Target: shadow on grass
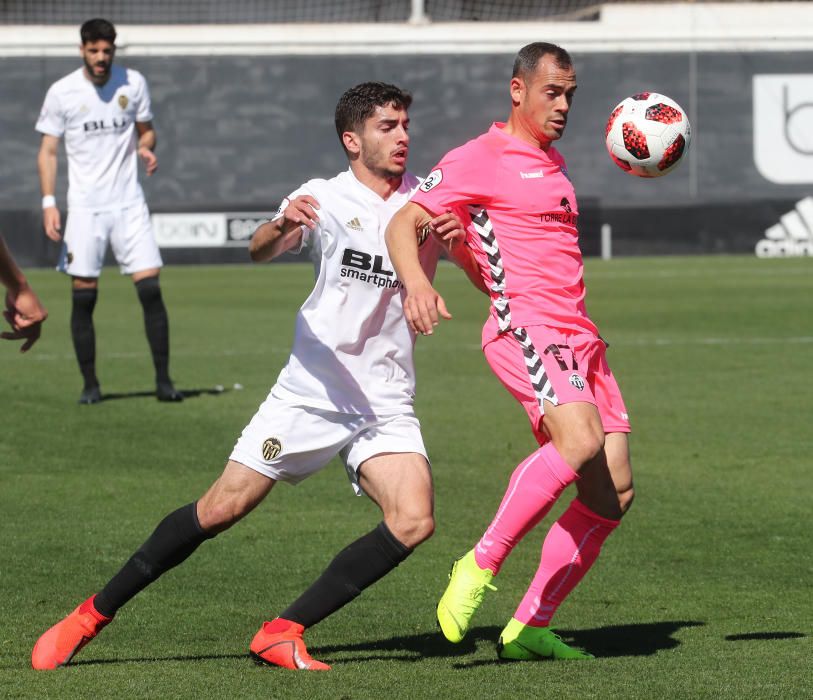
[
  {"x": 752, "y": 636},
  {"x": 158, "y": 659},
  {"x": 187, "y": 393},
  {"x": 614, "y": 641},
  {"x": 422, "y": 646},
  {"x": 643, "y": 639}
]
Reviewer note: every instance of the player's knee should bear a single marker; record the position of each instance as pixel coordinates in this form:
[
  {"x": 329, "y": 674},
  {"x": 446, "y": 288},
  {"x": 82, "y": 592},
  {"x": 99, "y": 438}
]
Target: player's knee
[
  {"x": 148, "y": 290},
  {"x": 84, "y": 283},
  {"x": 593, "y": 444},
  {"x": 220, "y": 513},
  {"x": 424, "y": 529},
  {"x": 625, "y": 498},
  {"x": 582, "y": 445},
  {"x": 413, "y": 529},
  {"x": 578, "y": 435}
]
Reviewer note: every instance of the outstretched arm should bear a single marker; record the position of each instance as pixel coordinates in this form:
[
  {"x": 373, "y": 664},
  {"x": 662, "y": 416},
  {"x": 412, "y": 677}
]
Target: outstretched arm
[
  {"x": 422, "y": 305},
  {"x": 24, "y": 311},
  {"x": 285, "y": 231}
]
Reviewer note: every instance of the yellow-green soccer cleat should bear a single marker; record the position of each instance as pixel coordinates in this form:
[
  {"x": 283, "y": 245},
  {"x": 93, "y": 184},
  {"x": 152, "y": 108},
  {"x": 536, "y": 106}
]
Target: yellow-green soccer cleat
[
  {"x": 520, "y": 642},
  {"x": 467, "y": 586}
]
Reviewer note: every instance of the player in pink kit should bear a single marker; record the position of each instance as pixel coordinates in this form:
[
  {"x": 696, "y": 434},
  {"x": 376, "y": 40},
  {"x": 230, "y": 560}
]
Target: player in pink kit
[{"x": 511, "y": 187}]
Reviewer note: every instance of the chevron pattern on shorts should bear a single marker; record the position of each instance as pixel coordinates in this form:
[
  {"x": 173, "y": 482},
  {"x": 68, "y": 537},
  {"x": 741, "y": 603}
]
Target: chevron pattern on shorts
[
  {"x": 482, "y": 224},
  {"x": 536, "y": 371}
]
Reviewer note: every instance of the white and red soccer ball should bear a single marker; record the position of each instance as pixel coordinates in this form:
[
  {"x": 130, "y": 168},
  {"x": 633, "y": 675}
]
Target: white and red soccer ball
[{"x": 648, "y": 134}]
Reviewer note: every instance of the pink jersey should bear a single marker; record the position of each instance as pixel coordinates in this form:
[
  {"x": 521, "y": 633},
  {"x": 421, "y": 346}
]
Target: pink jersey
[{"x": 521, "y": 216}]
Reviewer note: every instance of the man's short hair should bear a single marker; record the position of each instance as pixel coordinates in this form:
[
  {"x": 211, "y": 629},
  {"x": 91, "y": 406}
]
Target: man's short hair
[
  {"x": 358, "y": 104},
  {"x": 97, "y": 30},
  {"x": 529, "y": 56}
]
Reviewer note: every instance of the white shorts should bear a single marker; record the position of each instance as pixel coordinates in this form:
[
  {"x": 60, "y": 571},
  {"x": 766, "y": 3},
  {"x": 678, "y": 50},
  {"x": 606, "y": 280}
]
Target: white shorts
[
  {"x": 289, "y": 442},
  {"x": 129, "y": 231}
]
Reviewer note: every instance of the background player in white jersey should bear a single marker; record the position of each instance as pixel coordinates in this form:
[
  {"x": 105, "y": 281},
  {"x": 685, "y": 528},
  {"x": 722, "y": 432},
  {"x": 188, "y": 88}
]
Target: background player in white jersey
[
  {"x": 103, "y": 111},
  {"x": 23, "y": 309},
  {"x": 346, "y": 390}
]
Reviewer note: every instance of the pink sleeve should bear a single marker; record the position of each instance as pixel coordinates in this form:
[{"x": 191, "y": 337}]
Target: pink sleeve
[{"x": 462, "y": 177}]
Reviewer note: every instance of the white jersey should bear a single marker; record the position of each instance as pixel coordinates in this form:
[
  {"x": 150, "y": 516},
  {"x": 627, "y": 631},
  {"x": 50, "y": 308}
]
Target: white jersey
[
  {"x": 352, "y": 349},
  {"x": 98, "y": 124}
]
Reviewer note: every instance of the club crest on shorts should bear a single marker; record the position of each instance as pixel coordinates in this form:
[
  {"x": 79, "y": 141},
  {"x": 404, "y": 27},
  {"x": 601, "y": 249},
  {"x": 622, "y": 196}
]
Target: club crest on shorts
[
  {"x": 123, "y": 101},
  {"x": 69, "y": 257},
  {"x": 577, "y": 381},
  {"x": 271, "y": 448}
]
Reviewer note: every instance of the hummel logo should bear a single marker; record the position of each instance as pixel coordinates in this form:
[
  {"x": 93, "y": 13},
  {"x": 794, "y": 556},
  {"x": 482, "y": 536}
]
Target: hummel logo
[
  {"x": 531, "y": 176},
  {"x": 355, "y": 224}
]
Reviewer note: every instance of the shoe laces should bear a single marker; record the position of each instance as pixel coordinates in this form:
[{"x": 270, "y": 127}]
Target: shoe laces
[
  {"x": 476, "y": 591},
  {"x": 557, "y": 640}
]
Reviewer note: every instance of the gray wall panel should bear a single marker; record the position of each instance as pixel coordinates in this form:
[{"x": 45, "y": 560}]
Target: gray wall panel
[{"x": 239, "y": 132}]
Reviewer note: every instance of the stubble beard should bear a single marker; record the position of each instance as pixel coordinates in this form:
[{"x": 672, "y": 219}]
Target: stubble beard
[
  {"x": 94, "y": 78},
  {"x": 383, "y": 170}
]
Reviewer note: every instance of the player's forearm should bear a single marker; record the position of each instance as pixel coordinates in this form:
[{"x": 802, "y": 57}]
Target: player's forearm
[
  {"x": 147, "y": 139},
  {"x": 273, "y": 238},
  {"x": 11, "y": 275},
  {"x": 47, "y": 166},
  {"x": 402, "y": 244}
]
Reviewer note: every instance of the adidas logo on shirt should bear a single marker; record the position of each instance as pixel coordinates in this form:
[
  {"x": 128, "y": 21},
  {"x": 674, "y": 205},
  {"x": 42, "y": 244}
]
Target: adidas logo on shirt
[
  {"x": 792, "y": 236},
  {"x": 355, "y": 224}
]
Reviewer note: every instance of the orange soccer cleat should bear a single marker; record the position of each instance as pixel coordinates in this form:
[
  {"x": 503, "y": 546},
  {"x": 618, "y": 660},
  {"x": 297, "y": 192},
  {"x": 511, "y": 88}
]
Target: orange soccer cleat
[
  {"x": 279, "y": 643},
  {"x": 67, "y": 637}
]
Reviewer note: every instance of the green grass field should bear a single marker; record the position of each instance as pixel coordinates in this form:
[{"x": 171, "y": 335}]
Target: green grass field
[{"x": 705, "y": 591}]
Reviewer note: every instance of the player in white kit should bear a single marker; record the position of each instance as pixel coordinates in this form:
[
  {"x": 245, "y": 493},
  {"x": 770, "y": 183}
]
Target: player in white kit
[
  {"x": 103, "y": 112},
  {"x": 347, "y": 390}
]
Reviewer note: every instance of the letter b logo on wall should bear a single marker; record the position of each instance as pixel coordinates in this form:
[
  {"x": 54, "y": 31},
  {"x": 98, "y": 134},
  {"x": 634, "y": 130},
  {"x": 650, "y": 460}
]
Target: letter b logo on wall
[{"x": 783, "y": 127}]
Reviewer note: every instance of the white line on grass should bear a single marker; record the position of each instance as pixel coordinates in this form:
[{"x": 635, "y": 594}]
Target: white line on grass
[
  {"x": 50, "y": 357},
  {"x": 615, "y": 341},
  {"x": 802, "y": 339},
  {"x": 721, "y": 274},
  {"x": 796, "y": 340}
]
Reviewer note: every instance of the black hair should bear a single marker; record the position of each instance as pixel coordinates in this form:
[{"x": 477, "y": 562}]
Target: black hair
[
  {"x": 97, "y": 30},
  {"x": 528, "y": 58},
  {"x": 358, "y": 104}
]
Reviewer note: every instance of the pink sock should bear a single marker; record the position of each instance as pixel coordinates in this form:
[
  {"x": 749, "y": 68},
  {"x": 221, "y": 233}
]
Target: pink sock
[
  {"x": 569, "y": 550},
  {"x": 534, "y": 487}
]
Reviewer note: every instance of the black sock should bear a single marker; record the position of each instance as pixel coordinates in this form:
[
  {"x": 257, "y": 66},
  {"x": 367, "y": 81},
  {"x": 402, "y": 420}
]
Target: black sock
[
  {"x": 356, "y": 567},
  {"x": 83, "y": 334},
  {"x": 175, "y": 538},
  {"x": 156, "y": 324}
]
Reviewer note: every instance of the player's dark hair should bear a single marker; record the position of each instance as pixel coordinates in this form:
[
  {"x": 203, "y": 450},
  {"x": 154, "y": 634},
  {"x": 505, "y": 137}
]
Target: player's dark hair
[
  {"x": 358, "y": 104},
  {"x": 97, "y": 30},
  {"x": 529, "y": 56}
]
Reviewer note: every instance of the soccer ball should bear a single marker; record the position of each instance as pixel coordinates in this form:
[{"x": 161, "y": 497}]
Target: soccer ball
[{"x": 648, "y": 134}]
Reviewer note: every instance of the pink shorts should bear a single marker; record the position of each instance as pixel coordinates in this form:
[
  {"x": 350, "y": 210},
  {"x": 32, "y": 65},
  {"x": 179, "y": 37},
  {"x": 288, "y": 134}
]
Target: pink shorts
[{"x": 539, "y": 363}]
